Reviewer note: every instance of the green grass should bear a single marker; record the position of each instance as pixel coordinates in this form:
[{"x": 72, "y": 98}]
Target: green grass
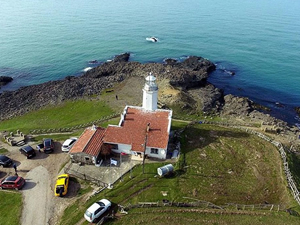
[
  {"x": 67, "y": 114},
  {"x": 158, "y": 216},
  {"x": 60, "y": 136},
  {"x": 10, "y": 208},
  {"x": 229, "y": 165},
  {"x": 219, "y": 165},
  {"x": 72, "y": 214},
  {"x": 3, "y": 150},
  {"x": 176, "y": 125},
  {"x": 77, "y": 133},
  {"x": 113, "y": 121}
]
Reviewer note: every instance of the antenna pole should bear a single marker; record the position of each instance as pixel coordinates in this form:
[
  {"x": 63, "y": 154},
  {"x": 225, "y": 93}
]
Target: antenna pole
[{"x": 145, "y": 145}]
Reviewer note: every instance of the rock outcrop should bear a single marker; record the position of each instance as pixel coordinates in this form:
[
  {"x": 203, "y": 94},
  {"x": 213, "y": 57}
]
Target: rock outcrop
[
  {"x": 191, "y": 73},
  {"x": 236, "y": 106},
  {"x": 5, "y": 80},
  {"x": 187, "y": 79},
  {"x": 297, "y": 109}
]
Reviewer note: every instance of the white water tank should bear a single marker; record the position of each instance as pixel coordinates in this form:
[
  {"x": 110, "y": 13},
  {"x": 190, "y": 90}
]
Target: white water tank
[{"x": 162, "y": 171}]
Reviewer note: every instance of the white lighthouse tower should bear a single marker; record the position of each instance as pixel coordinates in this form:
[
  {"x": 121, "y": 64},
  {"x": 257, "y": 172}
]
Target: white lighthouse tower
[{"x": 150, "y": 93}]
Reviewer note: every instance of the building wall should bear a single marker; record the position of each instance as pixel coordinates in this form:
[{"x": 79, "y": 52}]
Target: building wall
[
  {"x": 149, "y": 100},
  {"x": 161, "y": 153},
  {"x": 123, "y": 148},
  {"x": 83, "y": 158}
]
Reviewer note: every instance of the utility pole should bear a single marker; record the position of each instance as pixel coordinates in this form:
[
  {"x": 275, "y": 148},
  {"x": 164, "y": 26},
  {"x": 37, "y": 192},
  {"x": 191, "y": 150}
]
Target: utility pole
[{"x": 145, "y": 145}]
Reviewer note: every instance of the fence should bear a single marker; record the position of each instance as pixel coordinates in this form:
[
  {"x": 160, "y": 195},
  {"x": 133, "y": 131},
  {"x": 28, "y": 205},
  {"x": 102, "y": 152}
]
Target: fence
[
  {"x": 282, "y": 152},
  {"x": 203, "y": 204},
  {"x": 84, "y": 176},
  {"x": 70, "y": 129}
]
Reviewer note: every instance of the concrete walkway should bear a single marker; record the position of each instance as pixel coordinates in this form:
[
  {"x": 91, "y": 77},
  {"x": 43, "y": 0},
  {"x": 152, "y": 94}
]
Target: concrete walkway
[{"x": 105, "y": 174}]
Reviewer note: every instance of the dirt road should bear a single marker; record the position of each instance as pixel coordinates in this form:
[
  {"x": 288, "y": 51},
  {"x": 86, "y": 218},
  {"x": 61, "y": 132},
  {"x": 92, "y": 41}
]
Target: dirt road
[
  {"x": 37, "y": 197},
  {"x": 40, "y": 206}
]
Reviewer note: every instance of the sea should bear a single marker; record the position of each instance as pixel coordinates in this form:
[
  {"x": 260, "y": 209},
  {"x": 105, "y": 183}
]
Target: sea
[{"x": 257, "y": 40}]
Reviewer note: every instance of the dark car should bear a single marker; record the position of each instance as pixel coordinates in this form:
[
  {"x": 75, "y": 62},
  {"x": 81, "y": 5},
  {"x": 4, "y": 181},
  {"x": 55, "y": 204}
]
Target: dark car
[
  {"x": 48, "y": 145},
  {"x": 28, "y": 151},
  {"x": 5, "y": 161},
  {"x": 12, "y": 182}
]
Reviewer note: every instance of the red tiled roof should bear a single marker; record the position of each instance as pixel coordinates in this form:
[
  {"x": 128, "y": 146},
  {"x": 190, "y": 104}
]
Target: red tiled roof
[
  {"x": 133, "y": 129},
  {"x": 89, "y": 142}
]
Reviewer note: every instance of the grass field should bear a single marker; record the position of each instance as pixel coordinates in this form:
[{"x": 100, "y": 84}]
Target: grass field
[
  {"x": 218, "y": 165},
  {"x": 159, "y": 216},
  {"x": 68, "y": 114},
  {"x": 10, "y": 208},
  {"x": 3, "y": 151}
]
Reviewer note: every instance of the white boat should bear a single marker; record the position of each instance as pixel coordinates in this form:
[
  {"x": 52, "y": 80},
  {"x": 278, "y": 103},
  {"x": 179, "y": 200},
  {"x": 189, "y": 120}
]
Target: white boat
[{"x": 153, "y": 39}]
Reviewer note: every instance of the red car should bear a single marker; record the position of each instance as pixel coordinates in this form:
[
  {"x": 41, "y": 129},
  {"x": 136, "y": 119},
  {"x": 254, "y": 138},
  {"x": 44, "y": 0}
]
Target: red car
[{"x": 12, "y": 182}]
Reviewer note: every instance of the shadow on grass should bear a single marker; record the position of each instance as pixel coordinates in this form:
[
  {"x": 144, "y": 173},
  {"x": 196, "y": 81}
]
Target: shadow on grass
[{"x": 197, "y": 137}]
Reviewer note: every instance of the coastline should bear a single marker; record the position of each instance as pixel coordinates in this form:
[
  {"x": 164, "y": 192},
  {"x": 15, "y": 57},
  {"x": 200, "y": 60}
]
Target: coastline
[
  {"x": 275, "y": 109},
  {"x": 189, "y": 78},
  {"x": 104, "y": 75}
]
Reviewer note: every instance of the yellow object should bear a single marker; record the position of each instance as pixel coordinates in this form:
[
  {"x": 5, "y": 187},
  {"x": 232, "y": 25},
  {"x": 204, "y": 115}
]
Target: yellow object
[{"x": 61, "y": 186}]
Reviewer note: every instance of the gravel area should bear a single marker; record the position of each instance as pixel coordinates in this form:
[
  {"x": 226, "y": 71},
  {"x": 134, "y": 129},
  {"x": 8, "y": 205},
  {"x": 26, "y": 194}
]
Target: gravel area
[{"x": 40, "y": 206}]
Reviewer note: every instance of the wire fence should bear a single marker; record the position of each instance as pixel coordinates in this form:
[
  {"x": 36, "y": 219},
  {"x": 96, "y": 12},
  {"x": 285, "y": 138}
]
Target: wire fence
[
  {"x": 71, "y": 129},
  {"x": 84, "y": 176},
  {"x": 202, "y": 204},
  {"x": 282, "y": 150}
]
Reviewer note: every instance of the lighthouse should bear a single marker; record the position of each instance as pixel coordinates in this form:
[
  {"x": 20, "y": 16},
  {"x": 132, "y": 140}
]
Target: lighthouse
[{"x": 150, "y": 93}]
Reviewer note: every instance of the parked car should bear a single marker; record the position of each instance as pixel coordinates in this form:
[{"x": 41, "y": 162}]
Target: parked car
[
  {"x": 96, "y": 210},
  {"x": 5, "y": 161},
  {"x": 48, "y": 145},
  {"x": 61, "y": 185},
  {"x": 28, "y": 151},
  {"x": 12, "y": 182},
  {"x": 67, "y": 145}
]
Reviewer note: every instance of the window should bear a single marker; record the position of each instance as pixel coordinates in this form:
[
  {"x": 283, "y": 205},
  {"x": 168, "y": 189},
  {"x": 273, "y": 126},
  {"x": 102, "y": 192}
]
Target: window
[
  {"x": 114, "y": 146},
  {"x": 154, "y": 151}
]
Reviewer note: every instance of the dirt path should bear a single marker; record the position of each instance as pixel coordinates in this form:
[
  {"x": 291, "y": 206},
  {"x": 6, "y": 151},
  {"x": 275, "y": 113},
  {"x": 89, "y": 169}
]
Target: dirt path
[
  {"x": 37, "y": 197},
  {"x": 40, "y": 206}
]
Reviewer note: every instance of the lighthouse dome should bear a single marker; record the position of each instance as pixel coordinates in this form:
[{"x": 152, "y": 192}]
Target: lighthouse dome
[{"x": 150, "y": 84}]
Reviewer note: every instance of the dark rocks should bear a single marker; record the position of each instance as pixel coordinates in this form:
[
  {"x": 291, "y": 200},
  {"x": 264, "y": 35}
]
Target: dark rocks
[
  {"x": 122, "y": 58},
  {"x": 171, "y": 61},
  {"x": 198, "y": 64},
  {"x": 188, "y": 77},
  {"x": 5, "y": 80},
  {"x": 297, "y": 109},
  {"x": 93, "y": 62}
]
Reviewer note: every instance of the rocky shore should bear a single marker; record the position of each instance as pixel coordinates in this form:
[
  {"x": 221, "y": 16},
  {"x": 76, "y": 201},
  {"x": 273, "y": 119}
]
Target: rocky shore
[
  {"x": 5, "y": 80},
  {"x": 192, "y": 73},
  {"x": 189, "y": 78}
]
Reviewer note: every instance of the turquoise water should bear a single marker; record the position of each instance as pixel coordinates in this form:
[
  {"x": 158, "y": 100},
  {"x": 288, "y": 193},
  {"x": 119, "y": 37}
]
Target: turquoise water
[{"x": 260, "y": 41}]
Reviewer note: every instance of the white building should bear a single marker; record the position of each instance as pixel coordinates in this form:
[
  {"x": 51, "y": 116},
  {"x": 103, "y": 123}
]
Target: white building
[{"x": 141, "y": 130}]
